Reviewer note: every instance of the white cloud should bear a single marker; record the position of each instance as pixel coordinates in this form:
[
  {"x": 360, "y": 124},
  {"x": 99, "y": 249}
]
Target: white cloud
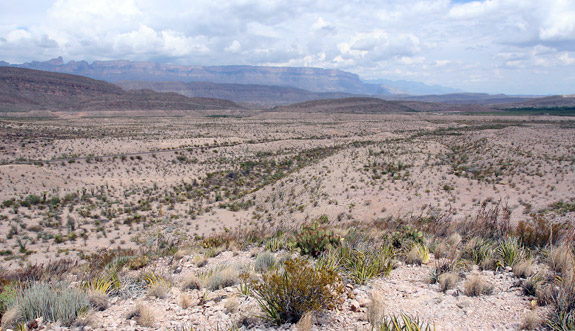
[{"x": 393, "y": 39}]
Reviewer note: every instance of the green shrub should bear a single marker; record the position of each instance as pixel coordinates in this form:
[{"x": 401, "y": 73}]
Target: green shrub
[
  {"x": 286, "y": 295},
  {"x": 314, "y": 239},
  {"x": 52, "y": 302}
]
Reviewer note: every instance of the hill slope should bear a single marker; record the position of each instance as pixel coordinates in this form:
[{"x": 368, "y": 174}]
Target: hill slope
[
  {"x": 346, "y": 105},
  {"x": 26, "y": 89}
]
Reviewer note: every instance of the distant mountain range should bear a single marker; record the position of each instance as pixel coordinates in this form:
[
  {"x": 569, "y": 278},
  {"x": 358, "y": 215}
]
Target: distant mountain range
[
  {"x": 26, "y": 89},
  {"x": 311, "y": 79},
  {"x": 23, "y": 90}
]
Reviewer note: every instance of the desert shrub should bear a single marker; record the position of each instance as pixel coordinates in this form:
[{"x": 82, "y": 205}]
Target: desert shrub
[
  {"x": 538, "y": 232},
  {"x": 52, "y": 271},
  {"x": 476, "y": 286},
  {"x": 264, "y": 262},
  {"x": 8, "y": 295},
  {"x": 402, "y": 322},
  {"x": 490, "y": 223},
  {"x": 314, "y": 239},
  {"x": 447, "y": 281},
  {"x": 286, "y": 295},
  {"x": 52, "y": 302},
  {"x": 138, "y": 262},
  {"x": 406, "y": 236}
]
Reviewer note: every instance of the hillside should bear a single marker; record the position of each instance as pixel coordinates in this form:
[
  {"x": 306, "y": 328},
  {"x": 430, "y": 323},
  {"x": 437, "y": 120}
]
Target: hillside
[
  {"x": 26, "y": 89},
  {"x": 346, "y": 105},
  {"x": 544, "y": 102}
]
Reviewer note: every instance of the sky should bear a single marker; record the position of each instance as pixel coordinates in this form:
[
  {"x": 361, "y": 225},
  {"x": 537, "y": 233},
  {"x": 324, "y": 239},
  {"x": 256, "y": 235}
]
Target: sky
[{"x": 492, "y": 46}]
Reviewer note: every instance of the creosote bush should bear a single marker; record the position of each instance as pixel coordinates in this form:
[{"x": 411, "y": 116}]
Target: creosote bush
[{"x": 286, "y": 295}]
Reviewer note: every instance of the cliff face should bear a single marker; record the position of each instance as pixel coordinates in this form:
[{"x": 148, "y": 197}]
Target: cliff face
[
  {"x": 312, "y": 79},
  {"x": 25, "y": 89}
]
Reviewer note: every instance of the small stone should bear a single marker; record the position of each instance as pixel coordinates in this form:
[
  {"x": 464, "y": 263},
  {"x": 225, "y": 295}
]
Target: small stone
[
  {"x": 354, "y": 306},
  {"x": 364, "y": 302}
]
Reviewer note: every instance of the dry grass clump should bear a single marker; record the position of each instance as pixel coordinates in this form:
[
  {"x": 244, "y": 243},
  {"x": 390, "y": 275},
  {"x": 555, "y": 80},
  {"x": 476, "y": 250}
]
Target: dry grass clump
[
  {"x": 264, "y": 262},
  {"x": 524, "y": 269},
  {"x": 532, "y": 321},
  {"x": 143, "y": 315},
  {"x": 476, "y": 286},
  {"x": 12, "y": 317},
  {"x": 306, "y": 322},
  {"x": 218, "y": 278},
  {"x": 448, "y": 281},
  {"x": 190, "y": 282},
  {"x": 158, "y": 286},
  {"x": 185, "y": 301},
  {"x": 418, "y": 254},
  {"x": 561, "y": 259},
  {"x": 376, "y": 308},
  {"x": 98, "y": 300},
  {"x": 231, "y": 305}
]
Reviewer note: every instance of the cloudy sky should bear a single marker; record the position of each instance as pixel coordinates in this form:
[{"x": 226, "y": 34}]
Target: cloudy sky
[{"x": 508, "y": 46}]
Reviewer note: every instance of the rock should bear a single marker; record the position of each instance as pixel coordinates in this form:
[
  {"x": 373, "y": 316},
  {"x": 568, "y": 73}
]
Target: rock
[
  {"x": 364, "y": 302},
  {"x": 354, "y": 306}
]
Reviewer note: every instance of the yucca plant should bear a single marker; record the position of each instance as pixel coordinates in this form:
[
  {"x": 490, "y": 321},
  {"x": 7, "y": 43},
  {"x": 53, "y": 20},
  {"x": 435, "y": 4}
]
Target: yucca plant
[
  {"x": 510, "y": 251},
  {"x": 103, "y": 284},
  {"x": 402, "y": 322}
]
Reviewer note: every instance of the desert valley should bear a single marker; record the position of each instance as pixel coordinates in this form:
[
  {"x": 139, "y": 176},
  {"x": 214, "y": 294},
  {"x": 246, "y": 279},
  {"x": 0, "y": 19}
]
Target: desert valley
[{"x": 159, "y": 208}]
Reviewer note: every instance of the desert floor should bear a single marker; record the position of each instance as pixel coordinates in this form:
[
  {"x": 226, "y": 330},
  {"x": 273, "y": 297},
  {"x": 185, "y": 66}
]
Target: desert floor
[{"x": 71, "y": 185}]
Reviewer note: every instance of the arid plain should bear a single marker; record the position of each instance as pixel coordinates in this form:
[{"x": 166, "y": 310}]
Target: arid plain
[
  {"x": 108, "y": 182},
  {"x": 74, "y": 185}
]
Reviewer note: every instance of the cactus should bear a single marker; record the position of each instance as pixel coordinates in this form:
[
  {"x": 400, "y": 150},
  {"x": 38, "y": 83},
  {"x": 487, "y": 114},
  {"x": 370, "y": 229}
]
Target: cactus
[{"x": 313, "y": 239}]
